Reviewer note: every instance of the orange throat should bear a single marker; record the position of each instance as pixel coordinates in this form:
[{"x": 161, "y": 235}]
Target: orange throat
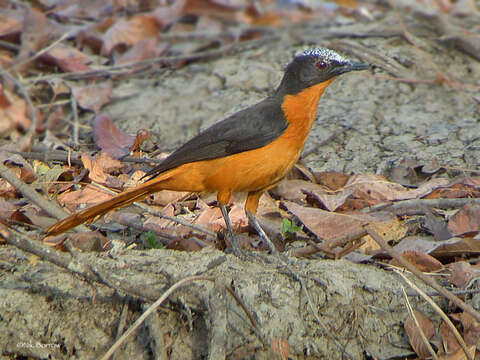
[{"x": 301, "y": 109}]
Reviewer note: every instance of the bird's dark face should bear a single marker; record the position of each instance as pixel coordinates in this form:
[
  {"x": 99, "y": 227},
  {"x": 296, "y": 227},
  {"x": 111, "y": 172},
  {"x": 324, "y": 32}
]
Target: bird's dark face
[{"x": 315, "y": 66}]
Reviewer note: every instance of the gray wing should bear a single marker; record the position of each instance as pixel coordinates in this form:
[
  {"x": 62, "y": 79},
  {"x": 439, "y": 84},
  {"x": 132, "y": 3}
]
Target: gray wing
[{"x": 248, "y": 129}]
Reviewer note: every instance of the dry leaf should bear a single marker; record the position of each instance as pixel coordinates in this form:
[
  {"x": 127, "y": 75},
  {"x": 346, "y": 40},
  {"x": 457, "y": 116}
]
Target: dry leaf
[
  {"x": 90, "y": 195},
  {"x": 327, "y": 225},
  {"x": 461, "y": 273},
  {"x": 466, "y": 221},
  {"x": 128, "y": 32},
  {"x": 449, "y": 341},
  {"x": 420, "y": 260},
  {"x": 93, "y": 97},
  {"x": 109, "y": 138},
  {"x": 414, "y": 336},
  {"x": 67, "y": 58}
]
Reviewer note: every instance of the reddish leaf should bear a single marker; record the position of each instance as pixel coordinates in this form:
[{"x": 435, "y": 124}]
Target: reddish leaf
[
  {"x": 466, "y": 221},
  {"x": 90, "y": 195},
  {"x": 144, "y": 49},
  {"x": 420, "y": 260},
  {"x": 37, "y": 32},
  {"x": 294, "y": 190},
  {"x": 327, "y": 225},
  {"x": 97, "y": 174},
  {"x": 414, "y": 336},
  {"x": 109, "y": 138},
  {"x": 168, "y": 196},
  {"x": 450, "y": 343},
  {"x": 461, "y": 273},
  {"x": 332, "y": 201},
  {"x": 67, "y": 58},
  {"x": 184, "y": 244},
  {"x": 281, "y": 347},
  {"x": 374, "y": 187},
  {"x": 108, "y": 164},
  {"x": 13, "y": 112},
  {"x": 471, "y": 329},
  {"x": 129, "y": 32},
  {"x": 93, "y": 97}
]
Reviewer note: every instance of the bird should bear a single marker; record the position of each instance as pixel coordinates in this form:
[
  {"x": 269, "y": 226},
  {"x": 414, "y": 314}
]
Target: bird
[{"x": 250, "y": 151}]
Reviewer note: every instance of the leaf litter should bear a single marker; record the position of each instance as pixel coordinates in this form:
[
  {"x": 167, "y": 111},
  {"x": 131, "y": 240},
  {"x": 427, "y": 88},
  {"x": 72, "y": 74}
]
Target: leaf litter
[{"x": 329, "y": 205}]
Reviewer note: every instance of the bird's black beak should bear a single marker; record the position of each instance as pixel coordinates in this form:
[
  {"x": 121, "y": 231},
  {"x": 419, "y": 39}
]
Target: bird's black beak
[{"x": 349, "y": 66}]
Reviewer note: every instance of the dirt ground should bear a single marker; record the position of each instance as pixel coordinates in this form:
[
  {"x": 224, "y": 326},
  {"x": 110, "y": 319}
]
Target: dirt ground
[{"x": 367, "y": 123}]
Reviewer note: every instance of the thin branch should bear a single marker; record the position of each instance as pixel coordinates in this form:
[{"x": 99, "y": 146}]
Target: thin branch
[
  {"x": 419, "y": 328},
  {"x": 126, "y": 68},
  {"x": 42, "y": 51},
  {"x": 427, "y": 280},
  {"x": 151, "y": 309},
  {"x": 417, "y": 206},
  {"x": 439, "y": 311}
]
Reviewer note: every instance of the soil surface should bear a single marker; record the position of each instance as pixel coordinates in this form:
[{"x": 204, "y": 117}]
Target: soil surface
[{"x": 367, "y": 123}]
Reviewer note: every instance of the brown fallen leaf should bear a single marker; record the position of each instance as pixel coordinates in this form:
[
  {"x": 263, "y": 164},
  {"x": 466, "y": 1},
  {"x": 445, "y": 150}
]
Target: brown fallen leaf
[
  {"x": 37, "y": 31},
  {"x": 471, "y": 329},
  {"x": 414, "y": 336},
  {"x": 420, "y": 260},
  {"x": 166, "y": 197},
  {"x": 449, "y": 341},
  {"x": 333, "y": 180},
  {"x": 108, "y": 164},
  {"x": 466, "y": 221},
  {"x": 331, "y": 201},
  {"x": 375, "y": 187},
  {"x": 294, "y": 190},
  {"x": 93, "y": 97},
  {"x": 109, "y": 138},
  {"x": 67, "y": 58},
  {"x": 89, "y": 195},
  {"x": 13, "y": 112},
  {"x": 327, "y": 225},
  {"x": 461, "y": 273},
  {"x": 144, "y": 49},
  {"x": 128, "y": 32}
]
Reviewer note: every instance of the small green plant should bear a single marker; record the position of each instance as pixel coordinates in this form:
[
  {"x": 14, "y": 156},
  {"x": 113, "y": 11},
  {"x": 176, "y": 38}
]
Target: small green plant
[
  {"x": 151, "y": 242},
  {"x": 290, "y": 229}
]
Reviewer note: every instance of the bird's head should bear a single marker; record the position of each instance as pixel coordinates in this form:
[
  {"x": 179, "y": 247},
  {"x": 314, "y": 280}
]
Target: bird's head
[{"x": 315, "y": 66}]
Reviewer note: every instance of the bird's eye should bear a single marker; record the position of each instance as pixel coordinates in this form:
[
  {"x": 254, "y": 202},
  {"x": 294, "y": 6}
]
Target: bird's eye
[{"x": 321, "y": 65}]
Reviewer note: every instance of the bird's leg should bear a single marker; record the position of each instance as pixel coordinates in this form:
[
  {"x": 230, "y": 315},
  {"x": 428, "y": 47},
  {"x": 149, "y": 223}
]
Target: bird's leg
[
  {"x": 251, "y": 205},
  {"x": 254, "y": 222},
  {"x": 235, "y": 247}
]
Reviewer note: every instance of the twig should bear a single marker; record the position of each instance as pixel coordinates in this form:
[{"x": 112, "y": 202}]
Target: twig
[
  {"x": 427, "y": 280},
  {"x": 27, "y": 138},
  {"x": 126, "y": 68},
  {"x": 242, "y": 305},
  {"x": 439, "y": 312},
  {"x": 42, "y": 51},
  {"x": 50, "y": 207},
  {"x": 73, "y": 105},
  {"x": 419, "y": 328},
  {"x": 74, "y": 157},
  {"x": 84, "y": 270},
  {"x": 151, "y": 309},
  {"x": 417, "y": 206}
]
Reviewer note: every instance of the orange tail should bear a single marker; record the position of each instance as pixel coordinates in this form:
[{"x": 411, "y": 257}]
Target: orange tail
[{"x": 126, "y": 198}]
